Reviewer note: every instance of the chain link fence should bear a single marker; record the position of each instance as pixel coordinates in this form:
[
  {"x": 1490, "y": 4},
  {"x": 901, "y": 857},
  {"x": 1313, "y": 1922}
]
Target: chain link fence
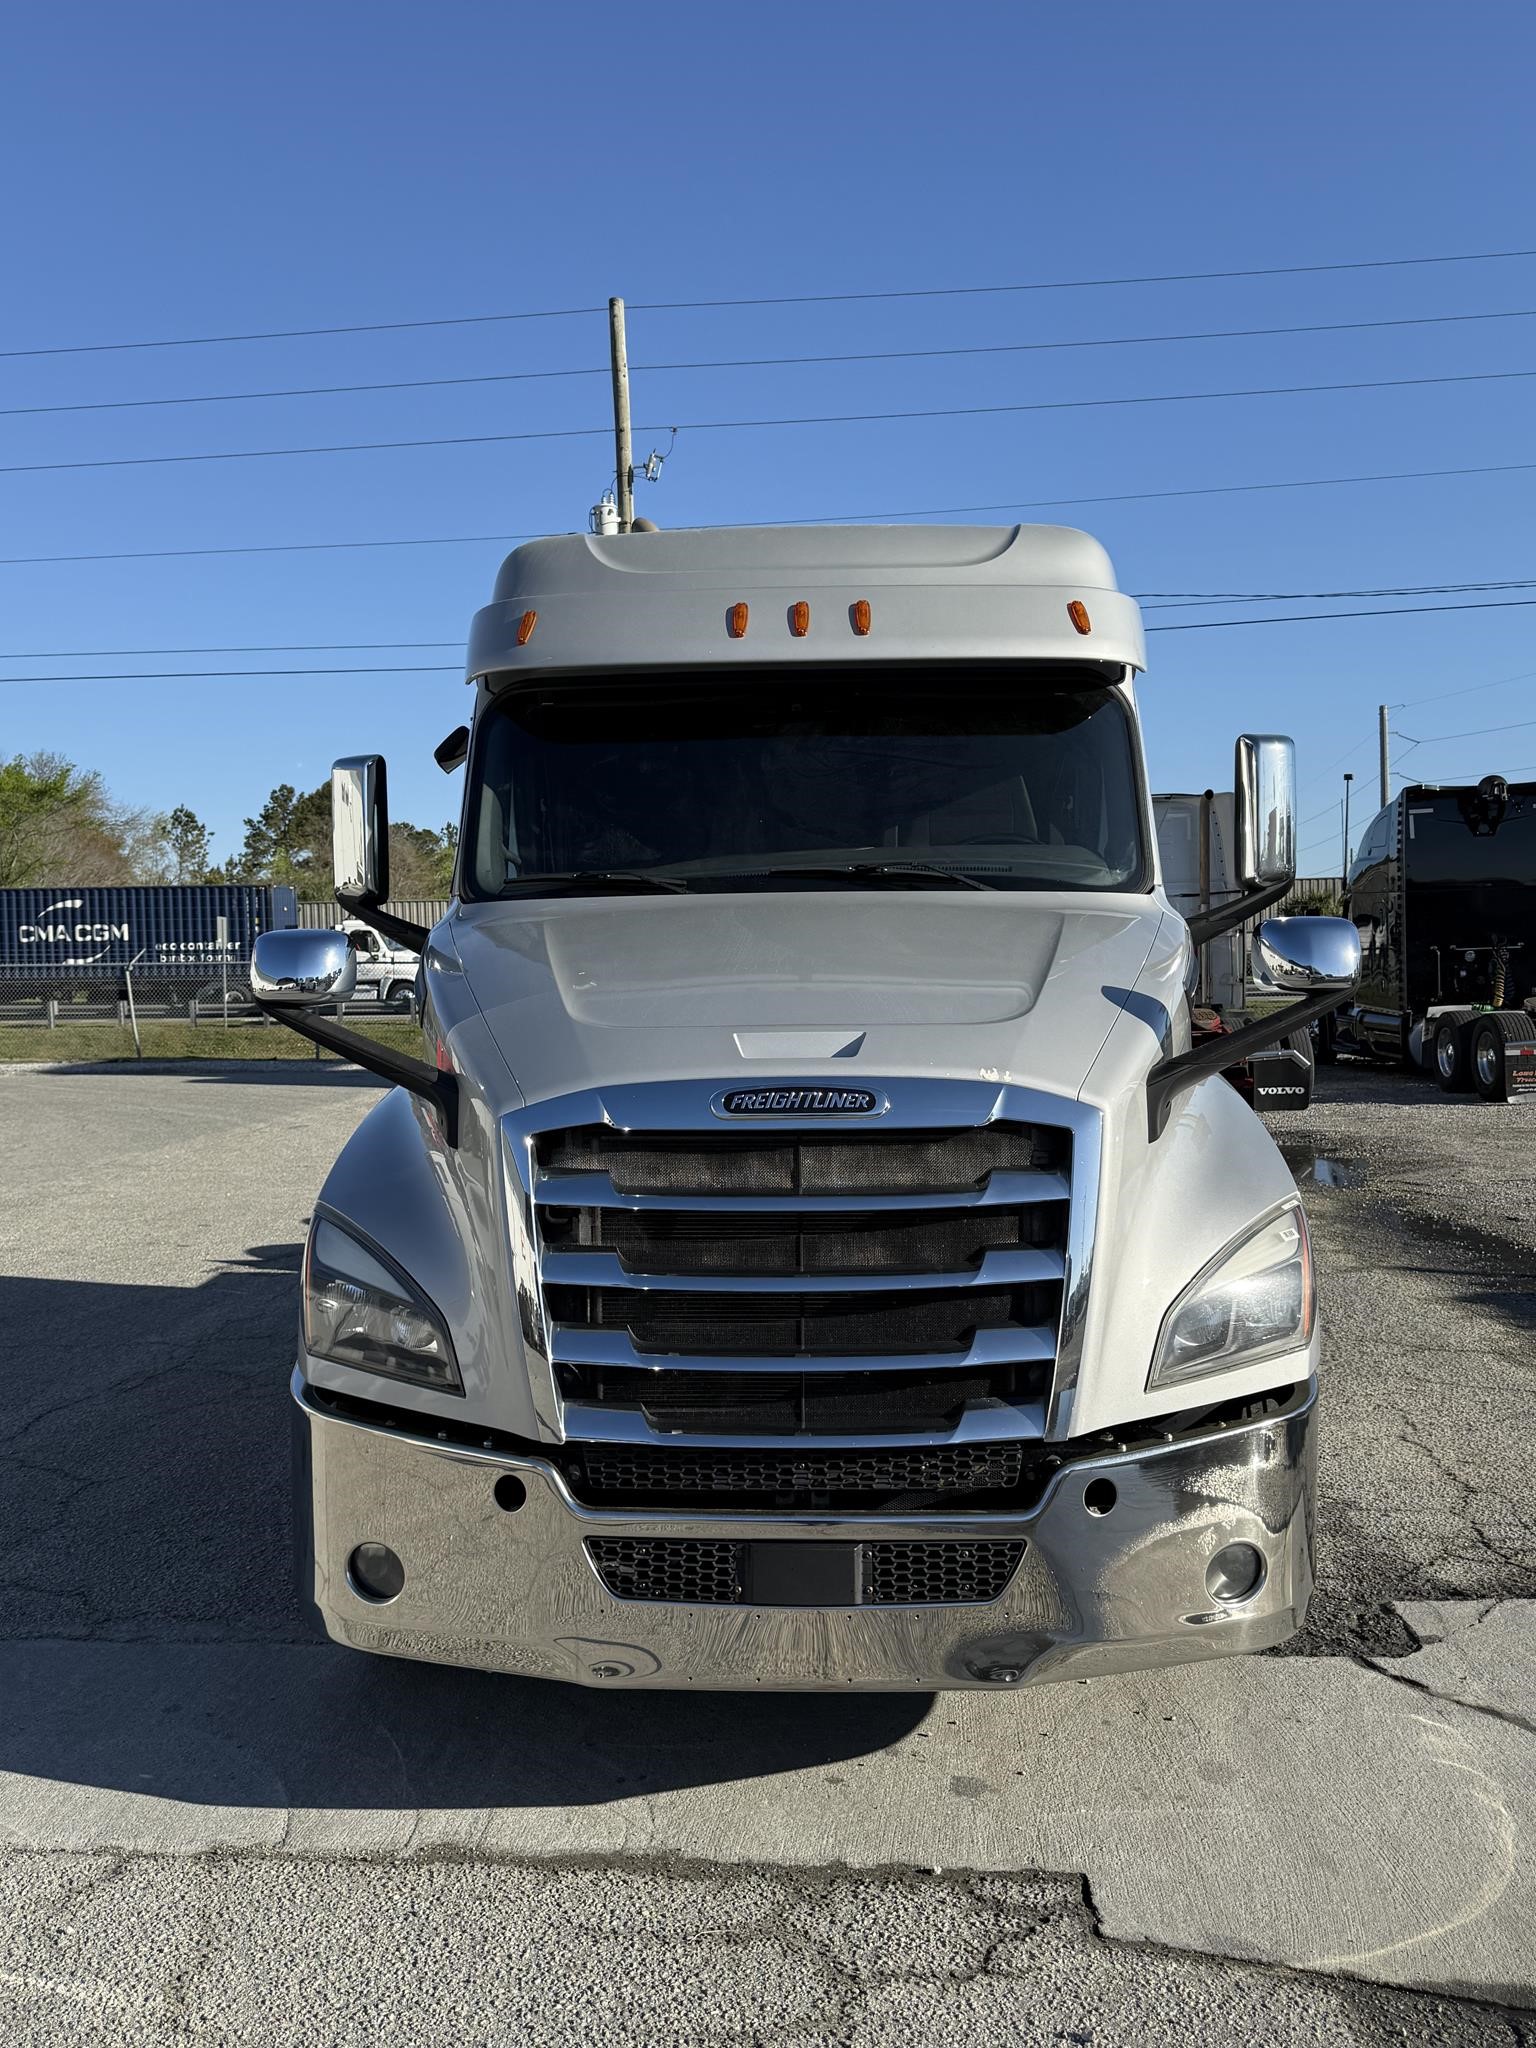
[{"x": 154, "y": 1013}]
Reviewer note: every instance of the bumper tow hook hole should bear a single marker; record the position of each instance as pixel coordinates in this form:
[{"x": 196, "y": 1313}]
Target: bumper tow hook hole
[
  {"x": 510, "y": 1492},
  {"x": 1099, "y": 1496},
  {"x": 375, "y": 1573}
]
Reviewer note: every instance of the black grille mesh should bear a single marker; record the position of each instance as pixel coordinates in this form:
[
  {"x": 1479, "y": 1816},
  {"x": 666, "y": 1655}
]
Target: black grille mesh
[
  {"x": 759, "y": 1163},
  {"x": 642, "y": 1473},
  {"x": 911, "y": 1241},
  {"x": 911, "y": 1320},
  {"x": 774, "y": 1403},
  {"x": 698, "y": 1572},
  {"x": 932, "y": 1574}
]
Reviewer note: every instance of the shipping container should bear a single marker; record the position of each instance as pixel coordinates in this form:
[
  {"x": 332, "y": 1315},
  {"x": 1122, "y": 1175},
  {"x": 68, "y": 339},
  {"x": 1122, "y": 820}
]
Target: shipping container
[{"x": 83, "y": 937}]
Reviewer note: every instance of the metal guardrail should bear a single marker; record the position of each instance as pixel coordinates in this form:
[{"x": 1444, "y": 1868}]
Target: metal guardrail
[{"x": 145, "y": 1011}]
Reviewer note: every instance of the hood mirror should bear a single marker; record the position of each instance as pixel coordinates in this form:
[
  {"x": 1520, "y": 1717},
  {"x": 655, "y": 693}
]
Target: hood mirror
[
  {"x": 303, "y": 969},
  {"x": 1305, "y": 956}
]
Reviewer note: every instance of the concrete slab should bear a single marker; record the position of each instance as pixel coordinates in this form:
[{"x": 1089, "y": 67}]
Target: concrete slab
[{"x": 1321, "y": 1814}]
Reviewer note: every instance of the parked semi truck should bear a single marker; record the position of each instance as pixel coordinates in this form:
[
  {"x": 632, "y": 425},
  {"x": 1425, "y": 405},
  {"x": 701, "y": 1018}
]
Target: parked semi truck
[
  {"x": 1443, "y": 894},
  {"x": 809, "y": 1251},
  {"x": 1197, "y": 856}
]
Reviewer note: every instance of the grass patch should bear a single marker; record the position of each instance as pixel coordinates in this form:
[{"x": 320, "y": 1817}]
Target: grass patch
[{"x": 163, "y": 1040}]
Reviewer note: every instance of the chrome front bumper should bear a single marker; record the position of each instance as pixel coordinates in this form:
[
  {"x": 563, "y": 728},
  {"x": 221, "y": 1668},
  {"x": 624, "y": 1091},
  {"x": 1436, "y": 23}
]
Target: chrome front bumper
[{"x": 516, "y": 1591}]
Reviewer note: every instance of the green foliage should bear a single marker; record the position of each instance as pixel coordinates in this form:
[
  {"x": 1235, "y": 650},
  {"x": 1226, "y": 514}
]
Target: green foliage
[
  {"x": 59, "y": 825},
  {"x": 289, "y": 840},
  {"x": 187, "y": 841}
]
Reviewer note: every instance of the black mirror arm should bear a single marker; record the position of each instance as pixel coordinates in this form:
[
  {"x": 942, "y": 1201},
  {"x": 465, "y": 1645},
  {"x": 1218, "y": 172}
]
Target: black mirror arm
[
  {"x": 442, "y": 1090},
  {"x": 1226, "y": 1049},
  {"x": 1206, "y": 925},
  {"x": 403, "y": 929}
]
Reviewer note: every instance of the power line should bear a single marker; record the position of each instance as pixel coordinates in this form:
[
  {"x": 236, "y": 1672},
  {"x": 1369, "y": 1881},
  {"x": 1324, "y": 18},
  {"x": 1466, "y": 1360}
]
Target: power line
[
  {"x": 399, "y": 646},
  {"x": 288, "y": 547},
  {"x": 895, "y": 355},
  {"x": 446, "y": 668},
  {"x": 447, "y": 540},
  {"x": 188, "y": 675},
  {"x": 1466, "y": 690},
  {"x": 792, "y": 299},
  {"x": 1401, "y": 611},
  {"x": 946, "y": 412},
  {"x": 1477, "y": 732},
  {"x": 295, "y": 647},
  {"x": 1187, "y": 598}
]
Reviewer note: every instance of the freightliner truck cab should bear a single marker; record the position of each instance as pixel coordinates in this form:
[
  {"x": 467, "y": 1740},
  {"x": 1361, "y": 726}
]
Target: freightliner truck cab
[{"x": 808, "y": 1250}]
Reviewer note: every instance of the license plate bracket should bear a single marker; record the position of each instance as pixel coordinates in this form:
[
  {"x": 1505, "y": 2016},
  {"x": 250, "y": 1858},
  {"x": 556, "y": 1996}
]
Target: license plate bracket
[{"x": 801, "y": 1575}]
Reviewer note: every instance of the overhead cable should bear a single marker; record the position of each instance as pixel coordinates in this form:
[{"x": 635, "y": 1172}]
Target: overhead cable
[
  {"x": 789, "y": 420},
  {"x": 897, "y": 355},
  {"x": 793, "y": 299}
]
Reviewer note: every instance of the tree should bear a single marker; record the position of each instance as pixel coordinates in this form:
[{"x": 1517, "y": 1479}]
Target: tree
[
  {"x": 59, "y": 826},
  {"x": 187, "y": 841},
  {"x": 289, "y": 840}
]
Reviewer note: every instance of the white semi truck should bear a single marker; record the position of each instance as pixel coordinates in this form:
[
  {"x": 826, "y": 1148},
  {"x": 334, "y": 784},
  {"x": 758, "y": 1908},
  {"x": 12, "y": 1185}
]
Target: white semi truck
[
  {"x": 383, "y": 964},
  {"x": 809, "y": 1251}
]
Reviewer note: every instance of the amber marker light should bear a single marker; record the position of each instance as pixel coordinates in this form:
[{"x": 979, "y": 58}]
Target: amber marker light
[
  {"x": 800, "y": 619},
  {"x": 525, "y": 626},
  {"x": 1077, "y": 612},
  {"x": 859, "y": 613},
  {"x": 736, "y": 622}
]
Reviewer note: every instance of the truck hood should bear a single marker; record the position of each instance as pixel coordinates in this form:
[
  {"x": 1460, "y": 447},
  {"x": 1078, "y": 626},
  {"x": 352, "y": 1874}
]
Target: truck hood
[{"x": 1007, "y": 987}]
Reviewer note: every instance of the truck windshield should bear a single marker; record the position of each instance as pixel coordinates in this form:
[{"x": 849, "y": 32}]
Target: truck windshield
[{"x": 1022, "y": 779}]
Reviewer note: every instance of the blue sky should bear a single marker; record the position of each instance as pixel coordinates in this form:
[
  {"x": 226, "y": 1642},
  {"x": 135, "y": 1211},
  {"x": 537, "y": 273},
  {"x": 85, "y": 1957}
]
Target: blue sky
[{"x": 176, "y": 170}]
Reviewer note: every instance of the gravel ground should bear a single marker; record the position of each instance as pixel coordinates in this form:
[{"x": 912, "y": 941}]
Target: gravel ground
[{"x": 1427, "y": 1274}]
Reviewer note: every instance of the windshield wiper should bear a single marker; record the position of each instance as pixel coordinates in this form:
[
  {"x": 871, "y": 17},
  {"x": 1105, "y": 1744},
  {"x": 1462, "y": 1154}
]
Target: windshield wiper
[
  {"x": 595, "y": 881},
  {"x": 873, "y": 871}
]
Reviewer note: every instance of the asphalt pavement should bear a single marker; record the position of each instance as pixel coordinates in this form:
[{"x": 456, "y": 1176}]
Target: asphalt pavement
[{"x": 217, "y": 1830}]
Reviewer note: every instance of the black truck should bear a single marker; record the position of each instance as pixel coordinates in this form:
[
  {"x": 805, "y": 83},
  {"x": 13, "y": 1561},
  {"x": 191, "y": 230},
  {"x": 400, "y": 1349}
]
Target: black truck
[{"x": 1443, "y": 893}]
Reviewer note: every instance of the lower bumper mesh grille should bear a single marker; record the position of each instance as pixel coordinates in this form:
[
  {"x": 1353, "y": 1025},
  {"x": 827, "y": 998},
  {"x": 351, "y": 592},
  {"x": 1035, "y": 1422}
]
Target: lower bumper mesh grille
[
  {"x": 640, "y": 1475},
  {"x": 696, "y": 1572}
]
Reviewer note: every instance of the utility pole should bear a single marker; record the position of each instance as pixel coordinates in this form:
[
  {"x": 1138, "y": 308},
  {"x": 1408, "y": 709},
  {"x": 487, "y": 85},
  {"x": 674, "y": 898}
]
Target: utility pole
[
  {"x": 1386, "y": 765},
  {"x": 1349, "y": 777},
  {"x": 624, "y": 462}
]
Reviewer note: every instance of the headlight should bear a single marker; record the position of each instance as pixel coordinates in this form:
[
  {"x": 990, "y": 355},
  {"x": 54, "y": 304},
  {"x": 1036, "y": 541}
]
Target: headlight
[
  {"x": 360, "y": 1309},
  {"x": 1252, "y": 1300}
]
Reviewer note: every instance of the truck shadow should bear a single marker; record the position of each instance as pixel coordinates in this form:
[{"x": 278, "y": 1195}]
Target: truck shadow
[
  {"x": 149, "y": 1640},
  {"x": 301, "y": 1073}
]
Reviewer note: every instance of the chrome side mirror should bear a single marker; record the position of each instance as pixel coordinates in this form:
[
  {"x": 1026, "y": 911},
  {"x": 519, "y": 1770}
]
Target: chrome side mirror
[
  {"x": 360, "y": 831},
  {"x": 1305, "y": 956},
  {"x": 303, "y": 970},
  {"x": 1264, "y": 787}
]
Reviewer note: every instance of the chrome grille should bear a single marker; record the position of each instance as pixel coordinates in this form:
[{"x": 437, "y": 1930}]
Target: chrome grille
[{"x": 790, "y": 1281}]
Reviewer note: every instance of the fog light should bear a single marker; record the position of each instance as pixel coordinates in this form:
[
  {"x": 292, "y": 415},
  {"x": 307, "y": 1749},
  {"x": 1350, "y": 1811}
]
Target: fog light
[
  {"x": 375, "y": 1573},
  {"x": 1235, "y": 1573}
]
